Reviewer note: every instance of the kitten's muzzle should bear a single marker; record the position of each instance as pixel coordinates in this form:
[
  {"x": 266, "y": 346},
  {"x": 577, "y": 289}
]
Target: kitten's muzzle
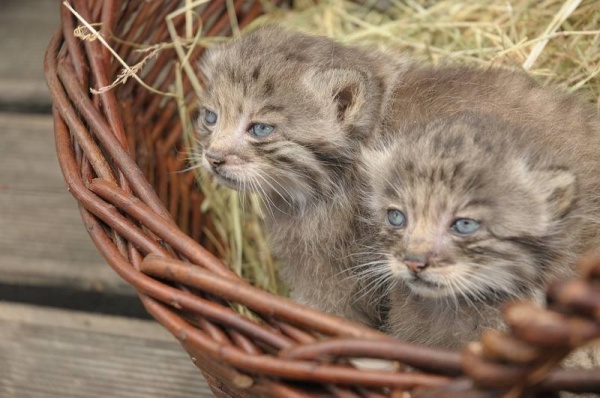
[
  {"x": 217, "y": 158},
  {"x": 415, "y": 262},
  {"x": 214, "y": 158}
]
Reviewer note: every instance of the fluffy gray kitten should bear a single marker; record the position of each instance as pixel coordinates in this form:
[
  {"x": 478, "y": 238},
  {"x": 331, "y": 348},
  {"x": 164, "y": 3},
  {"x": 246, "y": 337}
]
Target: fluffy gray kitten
[
  {"x": 467, "y": 212},
  {"x": 284, "y": 114}
]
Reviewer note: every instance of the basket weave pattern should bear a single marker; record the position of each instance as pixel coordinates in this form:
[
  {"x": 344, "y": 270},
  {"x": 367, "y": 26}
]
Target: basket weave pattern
[{"x": 120, "y": 152}]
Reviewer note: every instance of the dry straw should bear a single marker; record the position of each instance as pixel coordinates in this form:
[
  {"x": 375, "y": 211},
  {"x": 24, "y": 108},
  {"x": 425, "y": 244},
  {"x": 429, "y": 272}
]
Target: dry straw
[{"x": 558, "y": 42}]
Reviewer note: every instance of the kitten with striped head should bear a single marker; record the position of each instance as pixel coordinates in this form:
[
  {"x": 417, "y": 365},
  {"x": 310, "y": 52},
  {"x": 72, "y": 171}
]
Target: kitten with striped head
[
  {"x": 467, "y": 212},
  {"x": 284, "y": 115}
]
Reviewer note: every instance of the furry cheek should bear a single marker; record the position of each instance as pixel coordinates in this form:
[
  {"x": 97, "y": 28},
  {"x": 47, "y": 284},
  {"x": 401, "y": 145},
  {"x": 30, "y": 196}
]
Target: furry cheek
[
  {"x": 397, "y": 268},
  {"x": 204, "y": 161},
  {"x": 493, "y": 279}
]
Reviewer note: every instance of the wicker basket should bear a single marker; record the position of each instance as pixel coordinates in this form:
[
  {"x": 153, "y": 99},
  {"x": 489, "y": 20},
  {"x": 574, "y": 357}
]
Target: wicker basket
[{"x": 119, "y": 154}]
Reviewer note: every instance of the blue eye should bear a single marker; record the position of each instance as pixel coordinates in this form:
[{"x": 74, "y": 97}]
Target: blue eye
[
  {"x": 396, "y": 218},
  {"x": 210, "y": 117},
  {"x": 261, "y": 130},
  {"x": 464, "y": 226}
]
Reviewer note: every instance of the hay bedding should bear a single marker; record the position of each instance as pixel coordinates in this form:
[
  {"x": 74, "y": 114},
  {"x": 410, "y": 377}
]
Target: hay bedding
[{"x": 558, "y": 42}]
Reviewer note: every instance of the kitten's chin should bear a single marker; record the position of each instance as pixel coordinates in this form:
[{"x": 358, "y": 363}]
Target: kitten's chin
[
  {"x": 424, "y": 284},
  {"x": 424, "y": 288},
  {"x": 228, "y": 180}
]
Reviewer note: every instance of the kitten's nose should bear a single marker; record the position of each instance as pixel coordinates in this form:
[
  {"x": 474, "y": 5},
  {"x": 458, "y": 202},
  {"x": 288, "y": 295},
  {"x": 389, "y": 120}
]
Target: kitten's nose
[
  {"x": 214, "y": 158},
  {"x": 415, "y": 262}
]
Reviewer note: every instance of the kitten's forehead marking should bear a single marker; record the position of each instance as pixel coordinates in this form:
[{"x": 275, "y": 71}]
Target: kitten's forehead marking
[
  {"x": 390, "y": 191},
  {"x": 256, "y": 73},
  {"x": 269, "y": 108},
  {"x": 268, "y": 87},
  {"x": 248, "y": 78},
  {"x": 430, "y": 175}
]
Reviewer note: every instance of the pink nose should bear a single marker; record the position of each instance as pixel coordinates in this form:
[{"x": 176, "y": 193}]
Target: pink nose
[
  {"x": 214, "y": 158},
  {"x": 415, "y": 262}
]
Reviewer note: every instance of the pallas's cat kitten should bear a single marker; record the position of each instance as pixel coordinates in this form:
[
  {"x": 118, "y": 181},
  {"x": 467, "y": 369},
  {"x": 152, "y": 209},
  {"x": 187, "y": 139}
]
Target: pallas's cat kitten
[
  {"x": 468, "y": 211},
  {"x": 284, "y": 115}
]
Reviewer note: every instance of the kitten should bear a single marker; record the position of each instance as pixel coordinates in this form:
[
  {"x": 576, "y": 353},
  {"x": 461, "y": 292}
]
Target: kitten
[
  {"x": 466, "y": 212},
  {"x": 284, "y": 115}
]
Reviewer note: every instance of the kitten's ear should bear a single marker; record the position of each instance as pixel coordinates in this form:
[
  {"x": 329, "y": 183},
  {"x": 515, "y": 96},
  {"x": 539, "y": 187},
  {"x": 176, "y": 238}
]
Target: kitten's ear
[
  {"x": 351, "y": 92},
  {"x": 205, "y": 72},
  {"x": 559, "y": 189},
  {"x": 207, "y": 62},
  {"x": 373, "y": 161}
]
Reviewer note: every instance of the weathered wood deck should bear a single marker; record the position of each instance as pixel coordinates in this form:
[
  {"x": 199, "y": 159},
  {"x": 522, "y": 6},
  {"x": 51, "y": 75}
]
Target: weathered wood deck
[
  {"x": 42, "y": 238},
  {"x": 56, "y": 353},
  {"x": 47, "y": 259}
]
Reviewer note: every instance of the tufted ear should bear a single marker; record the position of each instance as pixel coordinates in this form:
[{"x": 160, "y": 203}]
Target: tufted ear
[
  {"x": 558, "y": 186},
  {"x": 208, "y": 61},
  {"x": 350, "y": 92}
]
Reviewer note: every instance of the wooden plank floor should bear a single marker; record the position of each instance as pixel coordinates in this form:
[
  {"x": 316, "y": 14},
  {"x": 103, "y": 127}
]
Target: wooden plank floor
[
  {"x": 49, "y": 353},
  {"x": 47, "y": 258},
  {"x": 26, "y": 27},
  {"x": 42, "y": 238}
]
